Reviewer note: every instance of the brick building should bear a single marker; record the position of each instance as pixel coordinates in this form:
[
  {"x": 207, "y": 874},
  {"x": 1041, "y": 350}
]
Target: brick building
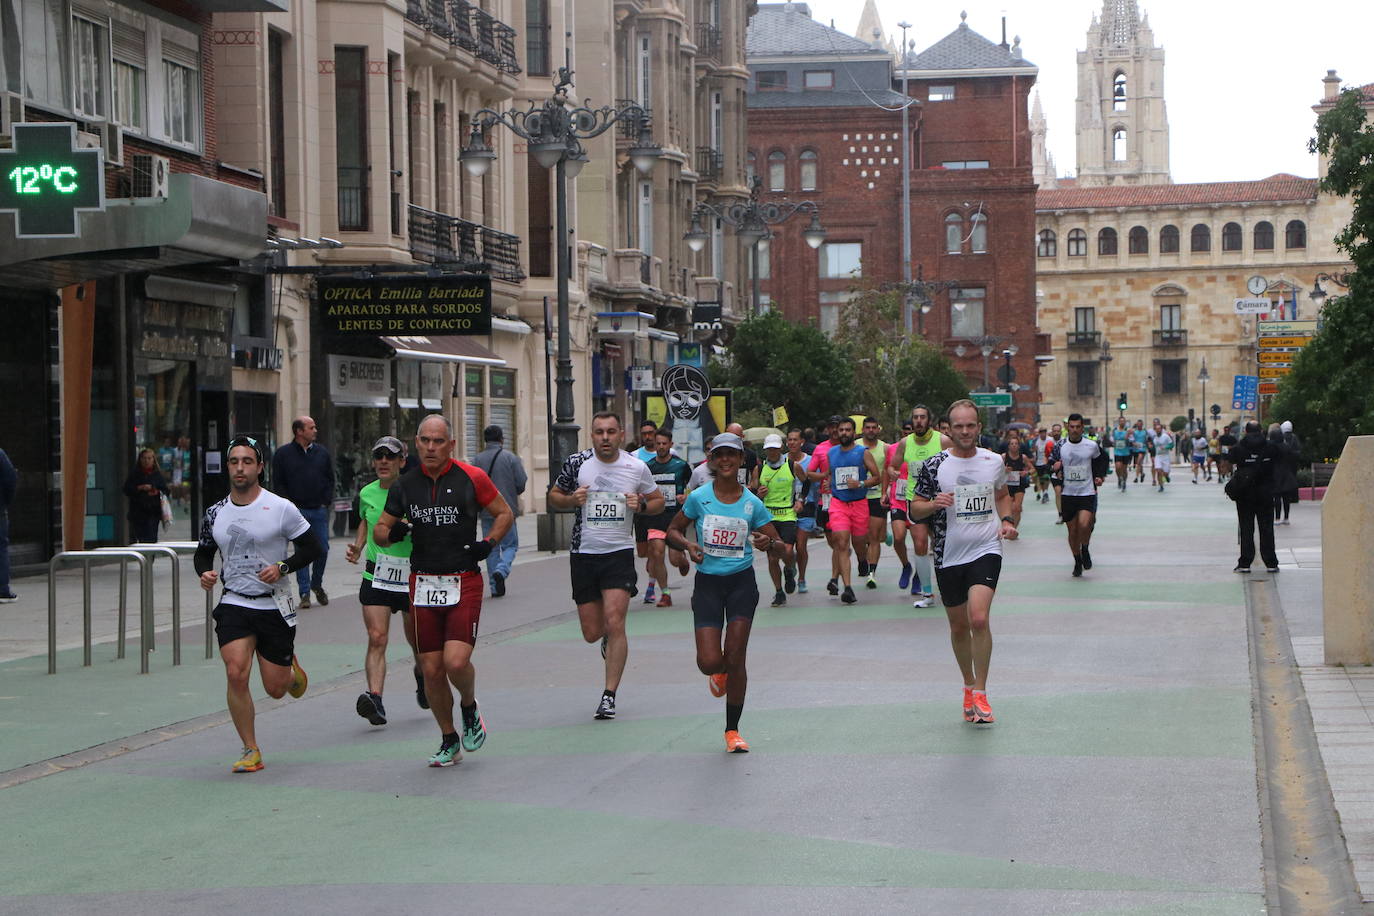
[{"x": 825, "y": 125}]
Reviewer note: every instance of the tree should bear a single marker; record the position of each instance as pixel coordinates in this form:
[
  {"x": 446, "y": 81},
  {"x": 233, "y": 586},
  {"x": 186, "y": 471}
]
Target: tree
[
  {"x": 891, "y": 372},
  {"x": 1328, "y": 393},
  {"x": 775, "y": 363}
]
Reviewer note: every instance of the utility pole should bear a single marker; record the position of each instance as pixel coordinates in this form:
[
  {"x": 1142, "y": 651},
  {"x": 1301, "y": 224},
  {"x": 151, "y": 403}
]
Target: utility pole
[{"x": 906, "y": 186}]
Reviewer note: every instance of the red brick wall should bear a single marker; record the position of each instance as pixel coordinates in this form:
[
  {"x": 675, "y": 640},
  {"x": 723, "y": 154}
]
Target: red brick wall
[{"x": 972, "y": 126}]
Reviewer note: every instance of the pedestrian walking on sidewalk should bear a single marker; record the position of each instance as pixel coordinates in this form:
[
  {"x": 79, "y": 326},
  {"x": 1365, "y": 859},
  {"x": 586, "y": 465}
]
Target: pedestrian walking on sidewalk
[
  {"x": 303, "y": 472},
  {"x": 507, "y": 472},
  {"x": 1252, "y": 487},
  {"x": 145, "y": 488},
  {"x": 256, "y": 614},
  {"x": 438, "y": 503},
  {"x": 9, "y": 482}
]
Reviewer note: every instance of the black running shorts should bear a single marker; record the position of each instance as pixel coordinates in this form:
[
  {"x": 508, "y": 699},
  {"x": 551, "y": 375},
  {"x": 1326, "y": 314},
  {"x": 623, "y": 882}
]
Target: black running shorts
[
  {"x": 1070, "y": 506},
  {"x": 594, "y": 573},
  {"x": 955, "y": 581},
  {"x": 276, "y": 638},
  {"x": 371, "y": 596},
  {"x": 716, "y": 599}
]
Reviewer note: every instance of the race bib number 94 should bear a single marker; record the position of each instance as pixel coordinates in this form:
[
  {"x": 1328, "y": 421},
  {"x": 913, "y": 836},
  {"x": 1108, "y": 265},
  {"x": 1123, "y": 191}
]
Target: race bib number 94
[
  {"x": 973, "y": 503},
  {"x": 723, "y": 536}
]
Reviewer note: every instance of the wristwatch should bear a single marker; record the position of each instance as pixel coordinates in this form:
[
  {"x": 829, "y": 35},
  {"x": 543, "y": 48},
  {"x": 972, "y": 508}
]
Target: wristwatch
[
  {"x": 1009, "y": 520},
  {"x": 282, "y": 567}
]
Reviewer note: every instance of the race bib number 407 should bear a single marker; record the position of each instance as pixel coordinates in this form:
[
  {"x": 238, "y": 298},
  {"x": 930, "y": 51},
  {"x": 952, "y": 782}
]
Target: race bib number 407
[{"x": 973, "y": 504}]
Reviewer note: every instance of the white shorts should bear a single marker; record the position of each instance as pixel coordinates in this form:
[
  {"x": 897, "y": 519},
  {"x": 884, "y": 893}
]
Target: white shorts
[{"x": 1162, "y": 463}]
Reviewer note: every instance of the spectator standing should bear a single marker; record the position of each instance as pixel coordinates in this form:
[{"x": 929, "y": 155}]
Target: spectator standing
[
  {"x": 145, "y": 487},
  {"x": 1285, "y": 476},
  {"x": 1253, "y": 462},
  {"x": 9, "y": 482},
  {"x": 303, "y": 472},
  {"x": 507, "y": 472}
]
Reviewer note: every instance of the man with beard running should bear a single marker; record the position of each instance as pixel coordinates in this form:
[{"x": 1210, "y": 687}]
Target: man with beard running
[
  {"x": 778, "y": 479},
  {"x": 851, "y": 472},
  {"x": 964, "y": 492},
  {"x": 1081, "y": 465},
  {"x": 877, "y": 514},
  {"x": 671, "y": 474},
  {"x": 912, "y": 452}
]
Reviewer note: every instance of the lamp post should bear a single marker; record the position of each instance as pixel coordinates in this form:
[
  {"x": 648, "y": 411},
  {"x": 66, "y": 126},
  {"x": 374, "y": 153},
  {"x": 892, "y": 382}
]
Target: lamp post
[
  {"x": 1204, "y": 377},
  {"x": 1105, "y": 358},
  {"x": 1318, "y": 294},
  {"x": 752, "y": 222},
  {"x": 906, "y": 185},
  {"x": 554, "y": 131},
  {"x": 1145, "y": 387},
  {"x": 919, "y": 291}
]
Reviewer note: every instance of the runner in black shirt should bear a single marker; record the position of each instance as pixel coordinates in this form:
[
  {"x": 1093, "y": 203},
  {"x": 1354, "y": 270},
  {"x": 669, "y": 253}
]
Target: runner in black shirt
[{"x": 442, "y": 500}]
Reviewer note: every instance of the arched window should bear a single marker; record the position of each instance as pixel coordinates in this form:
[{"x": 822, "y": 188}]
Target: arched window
[
  {"x": 1264, "y": 236},
  {"x": 1077, "y": 243},
  {"x": 751, "y": 164},
  {"x": 1119, "y": 144},
  {"x": 1138, "y": 241},
  {"x": 1201, "y": 239},
  {"x": 777, "y": 171},
  {"x": 978, "y": 238},
  {"x": 1168, "y": 240},
  {"x": 1231, "y": 238},
  {"x": 1046, "y": 245},
  {"x": 808, "y": 169},
  {"x": 1119, "y": 92},
  {"x": 954, "y": 233},
  {"x": 1106, "y": 241},
  {"x": 1295, "y": 234}
]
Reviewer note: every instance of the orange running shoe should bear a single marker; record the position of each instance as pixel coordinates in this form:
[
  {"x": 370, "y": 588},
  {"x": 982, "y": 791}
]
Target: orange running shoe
[
  {"x": 717, "y": 684},
  {"x": 665, "y": 600},
  {"x": 298, "y": 679},
  {"x": 982, "y": 712},
  {"x": 734, "y": 744},
  {"x": 968, "y": 704}
]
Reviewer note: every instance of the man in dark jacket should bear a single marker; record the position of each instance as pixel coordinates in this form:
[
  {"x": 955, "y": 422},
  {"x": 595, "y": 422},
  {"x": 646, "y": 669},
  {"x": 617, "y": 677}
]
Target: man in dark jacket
[
  {"x": 1253, "y": 461},
  {"x": 303, "y": 472},
  {"x": 507, "y": 473}
]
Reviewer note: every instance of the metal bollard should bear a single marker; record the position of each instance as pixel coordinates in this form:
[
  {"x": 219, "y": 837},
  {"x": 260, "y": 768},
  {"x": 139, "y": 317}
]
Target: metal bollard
[{"x": 85, "y": 557}]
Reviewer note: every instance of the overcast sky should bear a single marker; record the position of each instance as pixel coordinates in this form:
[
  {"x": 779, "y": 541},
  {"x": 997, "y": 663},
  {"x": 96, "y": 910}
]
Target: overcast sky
[{"x": 1239, "y": 78}]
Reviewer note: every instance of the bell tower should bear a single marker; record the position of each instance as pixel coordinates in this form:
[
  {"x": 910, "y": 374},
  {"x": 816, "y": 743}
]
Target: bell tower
[{"x": 1122, "y": 125}]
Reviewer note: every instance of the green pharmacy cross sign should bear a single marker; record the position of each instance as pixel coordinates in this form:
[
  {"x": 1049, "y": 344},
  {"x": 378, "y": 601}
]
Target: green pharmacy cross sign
[{"x": 45, "y": 179}]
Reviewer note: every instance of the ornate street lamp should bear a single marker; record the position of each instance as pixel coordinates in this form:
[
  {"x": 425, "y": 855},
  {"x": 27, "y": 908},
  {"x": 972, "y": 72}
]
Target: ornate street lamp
[{"x": 554, "y": 131}]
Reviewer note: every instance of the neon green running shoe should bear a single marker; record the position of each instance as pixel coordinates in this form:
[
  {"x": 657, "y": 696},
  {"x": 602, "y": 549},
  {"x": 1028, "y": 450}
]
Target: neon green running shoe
[{"x": 448, "y": 755}]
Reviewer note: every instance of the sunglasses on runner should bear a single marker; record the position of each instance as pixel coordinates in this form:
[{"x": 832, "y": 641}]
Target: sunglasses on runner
[{"x": 380, "y": 453}]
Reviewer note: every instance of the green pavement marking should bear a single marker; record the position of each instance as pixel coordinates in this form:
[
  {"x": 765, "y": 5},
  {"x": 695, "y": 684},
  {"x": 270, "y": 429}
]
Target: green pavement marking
[
  {"x": 44, "y": 716},
  {"x": 1214, "y": 905},
  {"x": 1170, "y": 723},
  {"x": 135, "y": 834}
]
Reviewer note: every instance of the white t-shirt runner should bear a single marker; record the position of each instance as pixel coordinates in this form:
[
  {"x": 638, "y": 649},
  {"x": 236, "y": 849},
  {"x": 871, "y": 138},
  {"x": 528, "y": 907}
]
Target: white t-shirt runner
[
  {"x": 971, "y": 528},
  {"x": 605, "y": 524},
  {"x": 249, "y": 538},
  {"x": 1077, "y": 471}
]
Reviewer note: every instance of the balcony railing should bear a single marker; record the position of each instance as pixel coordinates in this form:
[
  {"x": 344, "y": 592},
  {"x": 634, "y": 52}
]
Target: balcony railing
[
  {"x": 710, "y": 162},
  {"x": 447, "y": 241},
  {"x": 474, "y": 30},
  {"x": 1170, "y": 337},
  {"x": 708, "y": 40},
  {"x": 353, "y": 191},
  {"x": 1085, "y": 338}
]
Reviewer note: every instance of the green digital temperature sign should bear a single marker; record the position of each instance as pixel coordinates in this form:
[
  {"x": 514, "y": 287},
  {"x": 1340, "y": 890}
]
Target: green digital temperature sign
[{"x": 45, "y": 179}]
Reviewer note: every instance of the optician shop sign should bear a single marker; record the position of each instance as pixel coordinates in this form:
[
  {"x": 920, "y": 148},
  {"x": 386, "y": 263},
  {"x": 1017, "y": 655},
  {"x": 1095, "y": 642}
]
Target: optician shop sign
[
  {"x": 406, "y": 306},
  {"x": 45, "y": 180}
]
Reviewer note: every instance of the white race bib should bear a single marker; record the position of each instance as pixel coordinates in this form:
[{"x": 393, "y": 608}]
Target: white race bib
[
  {"x": 391, "y": 574},
  {"x": 669, "y": 491},
  {"x": 973, "y": 504},
  {"x": 825, "y": 501},
  {"x": 844, "y": 475},
  {"x": 436, "y": 591},
  {"x": 604, "y": 510},
  {"x": 285, "y": 598},
  {"x": 723, "y": 536},
  {"x": 1076, "y": 474}
]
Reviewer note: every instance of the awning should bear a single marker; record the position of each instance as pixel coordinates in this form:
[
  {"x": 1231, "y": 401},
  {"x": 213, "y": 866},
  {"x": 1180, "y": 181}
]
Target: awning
[
  {"x": 445, "y": 349},
  {"x": 510, "y": 325}
]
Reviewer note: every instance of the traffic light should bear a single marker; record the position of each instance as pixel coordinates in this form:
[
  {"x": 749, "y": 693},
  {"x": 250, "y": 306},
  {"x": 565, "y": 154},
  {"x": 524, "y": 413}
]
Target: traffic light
[{"x": 1121, "y": 402}]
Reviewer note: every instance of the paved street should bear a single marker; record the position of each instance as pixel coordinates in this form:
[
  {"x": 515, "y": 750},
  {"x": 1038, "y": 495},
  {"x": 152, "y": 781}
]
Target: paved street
[{"x": 1120, "y": 776}]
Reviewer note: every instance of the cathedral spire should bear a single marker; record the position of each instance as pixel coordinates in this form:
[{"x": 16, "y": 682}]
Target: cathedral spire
[
  {"x": 871, "y": 27},
  {"x": 1119, "y": 24}
]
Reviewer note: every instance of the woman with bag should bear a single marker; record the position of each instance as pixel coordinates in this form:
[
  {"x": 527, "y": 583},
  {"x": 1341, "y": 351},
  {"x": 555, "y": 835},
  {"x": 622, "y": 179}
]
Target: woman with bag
[{"x": 146, "y": 489}]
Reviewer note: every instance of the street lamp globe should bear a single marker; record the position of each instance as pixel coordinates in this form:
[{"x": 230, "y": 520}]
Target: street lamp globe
[
  {"x": 763, "y": 242},
  {"x": 987, "y": 349},
  {"x": 645, "y": 153},
  {"x": 1013, "y": 349},
  {"x": 696, "y": 236},
  {"x": 814, "y": 233},
  {"x": 548, "y": 152},
  {"x": 577, "y": 158},
  {"x": 477, "y": 157}
]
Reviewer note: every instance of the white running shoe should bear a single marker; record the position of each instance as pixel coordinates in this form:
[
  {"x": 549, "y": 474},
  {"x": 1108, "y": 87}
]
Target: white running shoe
[{"x": 924, "y": 601}]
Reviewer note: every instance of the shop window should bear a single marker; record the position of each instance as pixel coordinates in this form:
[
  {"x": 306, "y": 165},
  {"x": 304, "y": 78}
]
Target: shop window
[{"x": 501, "y": 408}]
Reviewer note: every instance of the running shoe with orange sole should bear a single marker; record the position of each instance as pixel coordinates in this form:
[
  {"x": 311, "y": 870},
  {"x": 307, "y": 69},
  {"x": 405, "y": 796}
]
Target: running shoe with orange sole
[
  {"x": 299, "y": 681},
  {"x": 982, "y": 712},
  {"x": 717, "y": 684},
  {"x": 968, "y": 704},
  {"x": 250, "y": 761},
  {"x": 665, "y": 600},
  {"x": 734, "y": 744}
]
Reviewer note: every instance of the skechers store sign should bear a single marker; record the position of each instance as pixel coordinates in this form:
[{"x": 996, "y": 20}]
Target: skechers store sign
[{"x": 406, "y": 306}]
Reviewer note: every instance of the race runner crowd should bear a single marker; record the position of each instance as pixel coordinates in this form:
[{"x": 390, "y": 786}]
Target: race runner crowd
[{"x": 945, "y": 496}]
